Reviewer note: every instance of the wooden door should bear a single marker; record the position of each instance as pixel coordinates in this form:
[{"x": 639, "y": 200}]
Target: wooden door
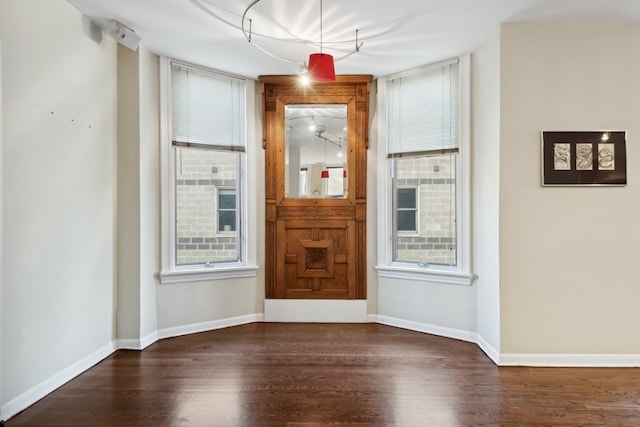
[{"x": 315, "y": 246}]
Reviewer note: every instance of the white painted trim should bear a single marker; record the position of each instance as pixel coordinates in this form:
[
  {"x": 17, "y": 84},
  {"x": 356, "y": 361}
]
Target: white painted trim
[
  {"x": 489, "y": 350},
  {"x": 201, "y": 273},
  {"x": 328, "y": 311},
  {"x": 513, "y": 359},
  {"x": 460, "y": 275},
  {"x": 36, "y": 393},
  {"x": 166, "y": 195},
  {"x": 464, "y": 193},
  {"x": 571, "y": 360},
  {"x": 430, "y": 275},
  {"x": 128, "y": 344},
  {"x": 383, "y": 183},
  {"x": 195, "y": 328},
  {"x": 1, "y": 236},
  {"x": 246, "y": 267},
  {"x": 137, "y": 344},
  {"x": 146, "y": 341},
  {"x": 441, "y": 331}
]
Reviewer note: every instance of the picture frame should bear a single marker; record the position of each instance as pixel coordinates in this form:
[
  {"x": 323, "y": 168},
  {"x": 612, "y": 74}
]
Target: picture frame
[{"x": 592, "y": 158}]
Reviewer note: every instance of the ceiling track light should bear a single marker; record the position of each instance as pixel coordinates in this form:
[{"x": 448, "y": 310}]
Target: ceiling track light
[
  {"x": 124, "y": 35},
  {"x": 321, "y": 66}
]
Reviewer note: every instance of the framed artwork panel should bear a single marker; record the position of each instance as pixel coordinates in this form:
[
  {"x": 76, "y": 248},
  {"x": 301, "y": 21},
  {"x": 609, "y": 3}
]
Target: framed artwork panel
[{"x": 584, "y": 158}]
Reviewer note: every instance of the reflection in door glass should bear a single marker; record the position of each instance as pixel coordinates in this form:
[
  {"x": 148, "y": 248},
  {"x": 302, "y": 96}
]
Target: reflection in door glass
[
  {"x": 335, "y": 182},
  {"x": 316, "y": 149}
]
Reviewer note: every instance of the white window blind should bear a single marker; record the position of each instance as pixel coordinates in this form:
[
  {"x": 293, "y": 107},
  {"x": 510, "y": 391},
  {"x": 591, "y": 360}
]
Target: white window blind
[
  {"x": 423, "y": 111},
  {"x": 208, "y": 110}
]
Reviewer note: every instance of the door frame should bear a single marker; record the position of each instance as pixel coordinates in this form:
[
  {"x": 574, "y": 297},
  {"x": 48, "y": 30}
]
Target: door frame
[{"x": 278, "y": 91}]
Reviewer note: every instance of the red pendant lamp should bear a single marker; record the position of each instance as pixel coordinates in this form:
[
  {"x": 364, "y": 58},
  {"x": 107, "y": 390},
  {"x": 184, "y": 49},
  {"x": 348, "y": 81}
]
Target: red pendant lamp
[{"x": 321, "y": 67}]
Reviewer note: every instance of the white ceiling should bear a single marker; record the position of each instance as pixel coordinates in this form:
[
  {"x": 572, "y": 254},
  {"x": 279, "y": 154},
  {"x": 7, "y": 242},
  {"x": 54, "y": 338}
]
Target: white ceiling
[{"x": 396, "y": 35}]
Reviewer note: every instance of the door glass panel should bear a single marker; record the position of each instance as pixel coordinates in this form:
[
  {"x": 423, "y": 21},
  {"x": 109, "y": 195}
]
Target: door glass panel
[{"x": 316, "y": 149}]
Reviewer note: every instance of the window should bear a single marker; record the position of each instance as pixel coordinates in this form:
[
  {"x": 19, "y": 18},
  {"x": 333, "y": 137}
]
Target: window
[
  {"x": 204, "y": 163},
  {"x": 303, "y": 184},
  {"x": 426, "y": 210},
  {"x": 227, "y": 210},
  {"x": 425, "y": 227},
  {"x": 336, "y": 181},
  {"x": 203, "y": 208},
  {"x": 406, "y": 210}
]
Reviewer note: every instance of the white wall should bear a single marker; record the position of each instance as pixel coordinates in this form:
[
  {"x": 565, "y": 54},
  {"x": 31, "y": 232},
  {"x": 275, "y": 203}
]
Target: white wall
[
  {"x": 150, "y": 196},
  {"x": 58, "y": 189},
  {"x": 372, "y": 202},
  {"x": 189, "y": 306},
  {"x": 441, "y": 309},
  {"x": 1, "y": 238},
  {"x": 195, "y": 306},
  {"x": 564, "y": 281},
  {"x": 568, "y": 256},
  {"x": 138, "y": 196},
  {"x": 422, "y": 305},
  {"x": 256, "y": 192},
  {"x": 485, "y": 148},
  {"x": 129, "y": 193}
]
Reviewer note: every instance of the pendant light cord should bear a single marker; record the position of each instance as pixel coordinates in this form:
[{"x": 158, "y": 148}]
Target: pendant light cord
[{"x": 320, "y": 27}]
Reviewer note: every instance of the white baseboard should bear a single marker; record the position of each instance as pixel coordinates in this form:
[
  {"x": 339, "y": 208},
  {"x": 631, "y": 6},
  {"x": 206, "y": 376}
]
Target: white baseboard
[
  {"x": 137, "y": 344},
  {"x": 571, "y": 360},
  {"x": 505, "y": 359},
  {"x": 457, "y": 334},
  {"x": 327, "y": 311},
  {"x": 31, "y": 396},
  {"x": 194, "y": 328},
  {"x": 351, "y": 314},
  {"x": 36, "y": 393},
  {"x": 148, "y": 340},
  {"x": 489, "y": 350}
]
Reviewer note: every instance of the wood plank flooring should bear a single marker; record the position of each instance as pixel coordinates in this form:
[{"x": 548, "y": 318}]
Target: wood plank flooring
[{"x": 303, "y": 375}]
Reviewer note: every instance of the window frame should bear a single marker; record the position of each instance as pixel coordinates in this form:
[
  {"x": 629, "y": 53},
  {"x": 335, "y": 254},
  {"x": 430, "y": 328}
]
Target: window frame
[
  {"x": 460, "y": 274},
  {"x": 416, "y": 209},
  {"x": 221, "y": 190},
  {"x": 246, "y": 264},
  {"x": 339, "y": 180}
]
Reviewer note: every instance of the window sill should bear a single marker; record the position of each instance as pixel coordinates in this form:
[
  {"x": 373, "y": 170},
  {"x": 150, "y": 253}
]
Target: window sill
[
  {"x": 429, "y": 275},
  {"x": 201, "y": 273}
]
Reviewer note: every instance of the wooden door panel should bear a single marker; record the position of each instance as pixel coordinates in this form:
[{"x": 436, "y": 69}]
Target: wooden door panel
[
  {"x": 316, "y": 258},
  {"x": 315, "y": 247}
]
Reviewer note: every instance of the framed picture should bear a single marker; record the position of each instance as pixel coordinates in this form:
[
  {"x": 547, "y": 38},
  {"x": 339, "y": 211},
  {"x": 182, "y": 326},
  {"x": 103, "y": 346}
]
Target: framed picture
[{"x": 584, "y": 158}]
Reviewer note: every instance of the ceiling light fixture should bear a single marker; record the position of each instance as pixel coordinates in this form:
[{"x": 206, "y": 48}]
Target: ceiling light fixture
[
  {"x": 321, "y": 66},
  {"x": 304, "y": 75},
  {"x": 124, "y": 35}
]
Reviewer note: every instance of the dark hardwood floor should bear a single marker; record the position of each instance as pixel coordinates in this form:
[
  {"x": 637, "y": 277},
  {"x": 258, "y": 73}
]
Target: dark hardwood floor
[{"x": 303, "y": 375}]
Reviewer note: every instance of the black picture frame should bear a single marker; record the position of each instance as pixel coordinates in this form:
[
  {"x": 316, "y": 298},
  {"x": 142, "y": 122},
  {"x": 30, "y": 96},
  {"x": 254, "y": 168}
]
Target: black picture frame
[{"x": 584, "y": 158}]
